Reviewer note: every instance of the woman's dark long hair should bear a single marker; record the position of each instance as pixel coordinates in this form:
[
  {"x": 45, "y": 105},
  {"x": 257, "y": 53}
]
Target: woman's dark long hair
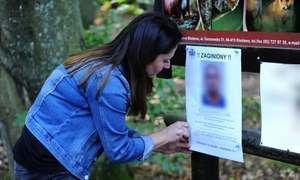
[{"x": 136, "y": 46}]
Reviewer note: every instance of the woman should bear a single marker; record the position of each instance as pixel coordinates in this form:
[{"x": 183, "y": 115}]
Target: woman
[{"x": 80, "y": 110}]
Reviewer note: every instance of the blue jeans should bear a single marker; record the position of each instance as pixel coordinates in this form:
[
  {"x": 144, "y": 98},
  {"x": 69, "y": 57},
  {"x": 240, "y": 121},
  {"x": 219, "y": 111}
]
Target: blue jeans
[{"x": 21, "y": 173}]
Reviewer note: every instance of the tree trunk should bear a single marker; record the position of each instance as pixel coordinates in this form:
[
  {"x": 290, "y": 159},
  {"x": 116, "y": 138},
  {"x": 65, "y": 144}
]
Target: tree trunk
[{"x": 35, "y": 36}]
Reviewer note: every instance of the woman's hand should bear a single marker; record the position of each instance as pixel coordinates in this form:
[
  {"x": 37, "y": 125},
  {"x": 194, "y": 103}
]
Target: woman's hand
[
  {"x": 177, "y": 132},
  {"x": 172, "y": 139},
  {"x": 174, "y": 148}
]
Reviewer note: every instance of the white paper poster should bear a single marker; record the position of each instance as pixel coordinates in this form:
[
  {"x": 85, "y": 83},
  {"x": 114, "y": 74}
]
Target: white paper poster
[
  {"x": 280, "y": 101},
  {"x": 214, "y": 101}
]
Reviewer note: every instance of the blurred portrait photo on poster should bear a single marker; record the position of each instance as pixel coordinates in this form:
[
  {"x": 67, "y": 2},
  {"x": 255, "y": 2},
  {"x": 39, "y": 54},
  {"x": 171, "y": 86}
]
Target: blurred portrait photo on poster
[{"x": 213, "y": 83}]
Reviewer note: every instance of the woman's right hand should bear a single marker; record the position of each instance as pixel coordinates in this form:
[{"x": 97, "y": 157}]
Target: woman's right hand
[
  {"x": 177, "y": 132},
  {"x": 174, "y": 134}
]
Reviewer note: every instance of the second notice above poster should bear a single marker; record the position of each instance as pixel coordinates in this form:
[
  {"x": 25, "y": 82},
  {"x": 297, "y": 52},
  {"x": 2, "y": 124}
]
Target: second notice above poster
[
  {"x": 236, "y": 23},
  {"x": 233, "y": 15},
  {"x": 213, "y": 101}
]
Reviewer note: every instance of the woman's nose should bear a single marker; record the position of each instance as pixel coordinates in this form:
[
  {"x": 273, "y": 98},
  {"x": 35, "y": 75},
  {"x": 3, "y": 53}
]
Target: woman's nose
[{"x": 167, "y": 65}]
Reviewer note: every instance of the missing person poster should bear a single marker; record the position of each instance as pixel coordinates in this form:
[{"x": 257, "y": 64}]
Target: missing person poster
[
  {"x": 214, "y": 101},
  {"x": 280, "y": 101}
]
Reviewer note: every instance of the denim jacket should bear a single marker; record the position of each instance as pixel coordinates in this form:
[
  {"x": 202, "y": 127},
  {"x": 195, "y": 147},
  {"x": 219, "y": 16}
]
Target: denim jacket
[{"x": 76, "y": 126}]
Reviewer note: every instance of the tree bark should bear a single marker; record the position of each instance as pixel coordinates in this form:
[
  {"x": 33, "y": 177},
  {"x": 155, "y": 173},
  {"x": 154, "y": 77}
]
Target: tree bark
[
  {"x": 35, "y": 36},
  {"x": 10, "y": 105}
]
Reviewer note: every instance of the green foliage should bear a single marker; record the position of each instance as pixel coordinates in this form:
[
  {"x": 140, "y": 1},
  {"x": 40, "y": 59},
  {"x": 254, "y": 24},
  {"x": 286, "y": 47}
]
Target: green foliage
[
  {"x": 20, "y": 118},
  {"x": 105, "y": 169},
  {"x": 19, "y": 122},
  {"x": 97, "y": 35},
  {"x": 113, "y": 16},
  {"x": 281, "y": 165},
  {"x": 171, "y": 164},
  {"x": 165, "y": 98},
  {"x": 168, "y": 164},
  {"x": 6, "y": 175},
  {"x": 178, "y": 71},
  {"x": 251, "y": 109}
]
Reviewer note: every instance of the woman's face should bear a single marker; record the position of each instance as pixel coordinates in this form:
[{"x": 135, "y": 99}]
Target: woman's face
[{"x": 161, "y": 61}]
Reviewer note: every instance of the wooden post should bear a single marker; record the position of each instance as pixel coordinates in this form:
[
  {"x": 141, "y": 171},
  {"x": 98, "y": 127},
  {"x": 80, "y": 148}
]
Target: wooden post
[{"x": 204, "y": 167}]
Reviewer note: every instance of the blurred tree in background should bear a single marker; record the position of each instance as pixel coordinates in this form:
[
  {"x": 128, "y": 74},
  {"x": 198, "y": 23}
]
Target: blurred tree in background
[{"x": 35, "y": 36}]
